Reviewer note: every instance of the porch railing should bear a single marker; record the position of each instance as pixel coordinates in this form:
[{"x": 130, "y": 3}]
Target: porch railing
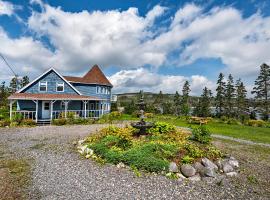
[
  {"x": 24, "y": 114},
  {"x": 56, "y": 114}
]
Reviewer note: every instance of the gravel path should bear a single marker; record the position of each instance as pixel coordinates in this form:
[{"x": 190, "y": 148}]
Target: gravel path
[{"x": 60, "y": 173}]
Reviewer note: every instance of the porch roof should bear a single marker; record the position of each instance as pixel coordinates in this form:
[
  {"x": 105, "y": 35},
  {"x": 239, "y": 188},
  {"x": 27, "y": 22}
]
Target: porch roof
[{"x": 29, "y": 96}]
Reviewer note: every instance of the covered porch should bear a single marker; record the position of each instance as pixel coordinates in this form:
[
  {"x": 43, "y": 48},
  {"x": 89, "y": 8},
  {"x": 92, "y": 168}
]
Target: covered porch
[{"x": 40, "y": 107}]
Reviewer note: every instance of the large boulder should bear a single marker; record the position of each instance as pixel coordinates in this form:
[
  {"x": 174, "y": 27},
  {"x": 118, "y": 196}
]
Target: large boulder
[
  {"x": 173, "y": 167},
  {"x": 227, "y": 168},
  {"x": 187, "y": 170},
  {"x": 208, "y": 172},
  {"x": 233, "y": 162},
  {"x": 208, "y": 163},
  {"x": 198, "y": 166}
]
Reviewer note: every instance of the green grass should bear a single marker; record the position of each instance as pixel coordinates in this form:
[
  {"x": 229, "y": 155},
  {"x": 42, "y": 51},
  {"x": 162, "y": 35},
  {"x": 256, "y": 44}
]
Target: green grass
[{"x": 256, "y": 134}]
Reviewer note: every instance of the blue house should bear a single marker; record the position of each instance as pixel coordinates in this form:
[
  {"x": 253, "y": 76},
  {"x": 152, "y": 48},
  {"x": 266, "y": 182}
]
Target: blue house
[{"x": 52, "y": 96}]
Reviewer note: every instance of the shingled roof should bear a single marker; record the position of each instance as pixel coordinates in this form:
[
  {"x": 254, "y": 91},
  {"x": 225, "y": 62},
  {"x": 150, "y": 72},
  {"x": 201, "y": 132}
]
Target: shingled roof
[
  {"x": 30, "y": 96},
  {"x": 93, "y": 76}
]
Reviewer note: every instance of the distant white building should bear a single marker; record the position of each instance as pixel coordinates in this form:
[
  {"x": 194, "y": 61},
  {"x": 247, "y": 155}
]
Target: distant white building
[{"x": 114, "y": 98}]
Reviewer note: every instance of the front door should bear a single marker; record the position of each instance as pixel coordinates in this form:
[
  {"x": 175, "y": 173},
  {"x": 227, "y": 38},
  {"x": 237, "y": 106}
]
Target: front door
[{"x": 45, "y": 109}]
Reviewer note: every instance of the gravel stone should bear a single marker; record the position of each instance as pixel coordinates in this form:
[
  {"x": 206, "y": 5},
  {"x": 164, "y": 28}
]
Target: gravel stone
[{"x": 60, "y": 172}]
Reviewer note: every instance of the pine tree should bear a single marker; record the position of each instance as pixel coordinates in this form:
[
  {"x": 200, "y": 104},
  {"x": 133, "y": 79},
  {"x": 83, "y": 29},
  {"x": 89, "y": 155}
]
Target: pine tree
[
  {"x": 185, "y": 99},
  {"x": 220, "y": 96},
  {"x": 13, "y": 85},
  {"x": 202, "y": 108},
  {"x": 3, "y": 95},
  {"x": 230, "y": 96},
  {"x": 241, "y": 98},
  {"x": 262, "y": 90},
  {"x": 177, "y": 103},
  {"x": 24, "y": 81}
]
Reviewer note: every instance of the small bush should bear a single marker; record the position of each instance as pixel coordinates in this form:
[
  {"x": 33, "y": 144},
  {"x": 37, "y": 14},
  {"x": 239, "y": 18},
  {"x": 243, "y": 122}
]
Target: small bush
[
  {"x": 162, "y": 128},
  {"x": 18, "y": 117},
  {"x": 187, "y": 159},
  {"x": 28, "y": 122},
  {"x": 4, "y": 123},
  {"x": 257, "y": 123},
  {"x": 201, "y": 134},
  {"x": 59, "y": 122},
  {"x": 149, "y": 115}
]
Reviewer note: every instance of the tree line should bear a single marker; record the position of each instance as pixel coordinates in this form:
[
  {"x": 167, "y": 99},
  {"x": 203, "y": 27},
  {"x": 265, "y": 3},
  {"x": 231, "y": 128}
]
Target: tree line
[
  {"x": 230, "y": 100},
  {"x": 6, "y": 90}
]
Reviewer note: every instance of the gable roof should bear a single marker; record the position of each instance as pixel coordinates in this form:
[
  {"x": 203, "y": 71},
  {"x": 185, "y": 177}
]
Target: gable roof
[
  {"x": 45, "y": 73},
  {"x": 93, "y": 76}
]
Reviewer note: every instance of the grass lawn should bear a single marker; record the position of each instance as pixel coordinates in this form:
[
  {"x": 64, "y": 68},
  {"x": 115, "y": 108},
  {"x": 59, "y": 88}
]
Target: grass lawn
[{"x": 256, "y": 134}]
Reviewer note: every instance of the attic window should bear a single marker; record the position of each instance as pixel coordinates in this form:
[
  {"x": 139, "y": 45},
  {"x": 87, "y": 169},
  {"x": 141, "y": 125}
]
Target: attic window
[
  {"x": 59, "y": 87},
  {"x": 42, "y": 86}
]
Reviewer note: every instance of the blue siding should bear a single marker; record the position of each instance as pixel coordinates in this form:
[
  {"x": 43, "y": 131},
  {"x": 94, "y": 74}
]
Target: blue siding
[
  {"x": 90, "y": 90},
  {"x": 52, "y": 78},
  {"x": 26, "y": 105}
]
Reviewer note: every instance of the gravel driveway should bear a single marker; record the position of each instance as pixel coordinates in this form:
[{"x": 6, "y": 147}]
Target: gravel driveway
[{"x": 58, "y": 172}]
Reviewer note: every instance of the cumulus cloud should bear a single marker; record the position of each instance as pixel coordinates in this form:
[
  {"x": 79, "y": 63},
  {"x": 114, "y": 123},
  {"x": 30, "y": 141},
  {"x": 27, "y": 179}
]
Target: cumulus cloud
[
  {"x": 6, "y": 8},
  {"x": 127, "y": 40},
  {"x": 143, "y": 79}
]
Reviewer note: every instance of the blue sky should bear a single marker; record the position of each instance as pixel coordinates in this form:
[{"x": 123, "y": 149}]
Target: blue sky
[{"x": 151, "y": 45}]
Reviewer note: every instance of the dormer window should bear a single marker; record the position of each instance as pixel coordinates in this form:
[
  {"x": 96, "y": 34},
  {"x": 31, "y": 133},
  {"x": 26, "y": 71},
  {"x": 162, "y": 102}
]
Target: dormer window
[
  {"x": 59, "y": 87},
  {"x": 42, "y": 86}
]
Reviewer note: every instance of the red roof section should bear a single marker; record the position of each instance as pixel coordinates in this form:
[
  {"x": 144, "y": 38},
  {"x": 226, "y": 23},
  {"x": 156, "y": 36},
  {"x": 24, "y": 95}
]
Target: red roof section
[
  {"x": 30, "y": 96},
  {"x": 93, "y": 76}
]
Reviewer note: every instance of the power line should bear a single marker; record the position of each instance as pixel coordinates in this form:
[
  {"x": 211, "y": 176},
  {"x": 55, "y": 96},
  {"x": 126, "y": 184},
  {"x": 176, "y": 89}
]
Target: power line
[{"x": 8, "y": 65}]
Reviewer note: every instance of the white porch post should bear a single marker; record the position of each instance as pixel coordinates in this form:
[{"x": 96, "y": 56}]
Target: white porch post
[
  {"x": 102, "y": 107},
  {"x": 66, "y": 106},
  {"x": 36, "y": 102},
  {"x": 84, "y": 104},
  {"x": 52, "y": 102},
  {"x": 10, "y": 109}
]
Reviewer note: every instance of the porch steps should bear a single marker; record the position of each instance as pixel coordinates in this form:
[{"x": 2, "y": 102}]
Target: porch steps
[{"x": 43, "y": 122}]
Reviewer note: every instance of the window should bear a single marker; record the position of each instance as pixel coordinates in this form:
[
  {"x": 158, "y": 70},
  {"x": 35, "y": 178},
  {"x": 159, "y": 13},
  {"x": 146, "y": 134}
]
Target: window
[
  {"x": 59, "y": 87},
  {"x": 46, "y": 106},
  {"x": 101, "y": 90},
  {"x": 97, "y": 89},
  {"x": 43, "y": 86}
]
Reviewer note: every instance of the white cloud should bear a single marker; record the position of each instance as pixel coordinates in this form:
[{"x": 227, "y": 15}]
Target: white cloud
[
  {"x": 143, "y": 79},
  {"x": 7, "y": 8},
  {"x": 128, "y": 40}
]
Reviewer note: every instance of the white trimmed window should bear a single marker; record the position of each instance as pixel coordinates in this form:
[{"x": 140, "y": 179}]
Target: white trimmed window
[
  {"x": 59, "y": 87},
  {"x": 43, "y": 86},
  {"x": 97, "y": 89}
]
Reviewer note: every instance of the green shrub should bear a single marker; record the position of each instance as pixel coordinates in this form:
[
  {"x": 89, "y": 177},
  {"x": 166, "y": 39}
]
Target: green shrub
[
  {"x": 257, "y": 123},
  {"x": 59, "y": 122},
  {"x": 28, "y": 122},
  {"x": 193, "y": 150},
  {"x": 187, "y": 159},
  {"x": 4, "y": 123},
  {"x": 18, "y": 117},
  {"x": 162, "y": 128},
  {"x": 201, "y": 134}
]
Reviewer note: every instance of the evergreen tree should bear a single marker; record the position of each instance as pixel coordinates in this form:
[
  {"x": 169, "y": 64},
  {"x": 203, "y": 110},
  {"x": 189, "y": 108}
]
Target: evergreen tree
[
  {"x": 220, "y": 96},
  {"x": 241, "y": 98},
  {"x": 230, "y": 96},
  {"x": 24, "y": 81},
  {"x": 202, "y": 108},
  {"x": 3, "y": 95},
  {"x": 13, "y": 85},
  {"x": 185, "y": 99},
  {"x": 177, "y": 103},
  {"x": 262, "y": 90}
]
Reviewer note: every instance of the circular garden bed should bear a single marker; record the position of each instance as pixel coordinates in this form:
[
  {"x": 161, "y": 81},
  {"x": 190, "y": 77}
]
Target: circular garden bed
[{"x": 165, "y": 149}]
